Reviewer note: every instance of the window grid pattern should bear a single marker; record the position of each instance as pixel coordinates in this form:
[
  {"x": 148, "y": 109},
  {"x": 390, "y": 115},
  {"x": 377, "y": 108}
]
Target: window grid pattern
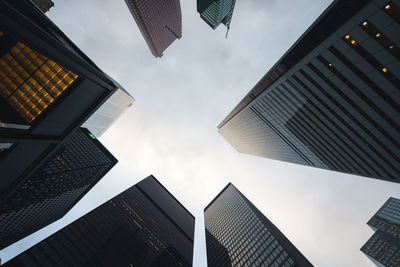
[
  {"x": 159, "y": 21},
  {"x": 234, "y": 229},
  {"x": 30, "y": 82},
  {"x": 51, "y": 191},
  {"x": 157, "y": 240},
  {"x": 338, "y": 106}
]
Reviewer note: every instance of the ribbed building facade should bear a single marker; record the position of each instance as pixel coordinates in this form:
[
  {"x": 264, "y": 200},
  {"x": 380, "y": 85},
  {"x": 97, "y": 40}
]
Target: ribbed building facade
[
  {"x": 160, "y": 22},
  {"x": 333, "y": 100},
  {"x": 238, "y": 234},
  {"x": 215, "y": 12},
  {"x": 383, "y": 248},
  {"x": 109, "y": 112},
  {"x": 143, "y": 226},
  {"x": 55, "y": 187}
]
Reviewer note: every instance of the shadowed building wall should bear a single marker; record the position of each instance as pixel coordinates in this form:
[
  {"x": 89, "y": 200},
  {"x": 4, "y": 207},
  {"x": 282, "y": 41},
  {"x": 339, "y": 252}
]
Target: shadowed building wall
[
  {"x": 238, "y": 234},
  {"x": 143, "y": 226}
]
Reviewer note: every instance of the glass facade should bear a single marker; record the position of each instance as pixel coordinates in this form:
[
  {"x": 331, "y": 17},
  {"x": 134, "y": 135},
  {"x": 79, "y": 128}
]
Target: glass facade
[
  {"x": 332, "y": 102},
  {"x": 132, "y": 229},
  {"x": 29, "y": 81},
  {"x": 54, "y": 188},
  {"x": 215, "y": 12},
  {"x": 238, "y": 234},
  {"x": 384, "y": 245},
  {"x": 159, "y": 21},
  {"x": 109, "y": 112}
]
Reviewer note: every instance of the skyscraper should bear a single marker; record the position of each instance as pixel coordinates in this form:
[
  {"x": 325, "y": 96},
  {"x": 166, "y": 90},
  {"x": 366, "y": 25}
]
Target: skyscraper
[
  {"x": 159, "y": 21},
  {"x": 215, "y": 12},
  {"x": 332, "y": 101},
  {"x": 383, "y": 248},
  {"x": 60, "y": 182},
  {"x": 44, "y": 5},
  {"x": 109, "y": 112},
  {"x": 238, "y": 234},
  {"x": 143, "y": 226},
  {"x": 48, "y": 89}
]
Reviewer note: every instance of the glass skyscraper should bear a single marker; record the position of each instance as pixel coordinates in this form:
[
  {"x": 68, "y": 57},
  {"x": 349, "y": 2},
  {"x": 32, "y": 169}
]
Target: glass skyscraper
[
  {"x": 109, "y": 112},
  {"x": 57, "y": 185},
  {"x": 215, "y": 12},
  {"x": 333, "y": 100},
  {"x": 160, "y": 22},
  {"x": 383, "y": 248},
  {"x": 238, "y": 234},
  {"x": 143, "y": 226}
]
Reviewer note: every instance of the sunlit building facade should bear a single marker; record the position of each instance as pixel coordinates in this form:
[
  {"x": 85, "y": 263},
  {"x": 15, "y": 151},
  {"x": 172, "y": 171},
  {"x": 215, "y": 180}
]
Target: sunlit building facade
[
  {"x": 215, "y": 12},
  {"x": 332, "y": 101},
  {"x": 58, "y": 184},
  {"x": 238, "y": 234},
  {"x": 160, "y": 22},
  {"x": 143, "y": 226},
  {"x": 383, "y": 248},
  {"x": 109, "y": 112}
]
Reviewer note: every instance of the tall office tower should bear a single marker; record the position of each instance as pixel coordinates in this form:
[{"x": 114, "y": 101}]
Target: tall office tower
[
  {"x": 55, "y": 187},
  {"x": 383, "y": 248},
  {"x": 238, "y": 234},
  {"x": 109, "y": 112},
  {"x": 44, "y": 5},
  {"x": 332, "y": 101},
  {"x": 159, "y": 21},
  {"x": 143, "y": 226},
  {"x": 48, "y": 89},
  {"x": 215, "y": 12}
]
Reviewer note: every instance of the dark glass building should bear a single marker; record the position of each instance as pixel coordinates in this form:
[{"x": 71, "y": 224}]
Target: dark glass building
[
  {"x": 333, "y": 100},
  {"x": 238, "y": 234},
  {"x": 159, "y": 21},
  {"x": 143, "y": 226},
  {"x": 59, "y": 183},
  {"x": 383, "y": 248},
  {"x": 48, "y": 89},
  {"x": 215, "y": 12}
]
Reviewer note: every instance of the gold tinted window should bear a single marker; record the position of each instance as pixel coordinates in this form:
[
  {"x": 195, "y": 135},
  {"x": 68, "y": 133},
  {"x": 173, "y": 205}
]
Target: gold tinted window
[{"x": 30, "y": 82}]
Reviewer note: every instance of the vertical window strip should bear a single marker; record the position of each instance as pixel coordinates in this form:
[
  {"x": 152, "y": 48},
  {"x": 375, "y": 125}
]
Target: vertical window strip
[
  {"x": 322, "y": 118},
  {"x": 344, "y": 122}
]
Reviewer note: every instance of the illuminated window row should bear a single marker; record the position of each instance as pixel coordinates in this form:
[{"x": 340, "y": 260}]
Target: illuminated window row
[
  {"x": 381, "y": 38},
  {"x": 393, "y": 10},
  {"x": 30, "y": 82}
]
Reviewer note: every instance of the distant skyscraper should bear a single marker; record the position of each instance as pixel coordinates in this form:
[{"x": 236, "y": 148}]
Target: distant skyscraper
[
  {"x": 159, "y": 21},
  {"x": 215, "y": 12},
  {"x": 238, "y": 234},
  {"x": 383, "y": 248},
  {"x": 332, "y": 101},
  {"x": 143, "y": 226},
  {"x": 109, "y": 112},
  {"x": 44, "y": 5},
  {"x": 57, "y": 185}
]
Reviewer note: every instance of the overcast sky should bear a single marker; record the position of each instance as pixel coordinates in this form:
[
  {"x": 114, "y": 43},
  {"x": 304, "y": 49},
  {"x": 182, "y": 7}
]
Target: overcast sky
[{"x": 171, "y": 132}]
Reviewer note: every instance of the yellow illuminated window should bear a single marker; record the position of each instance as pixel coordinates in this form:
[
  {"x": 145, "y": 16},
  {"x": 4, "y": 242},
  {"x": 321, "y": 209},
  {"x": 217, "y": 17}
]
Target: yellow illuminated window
[
  {"x": 365, "y": 23},
  {"x": 387, "y": 7},
  {"x": 391, "y": 46},
  {"x": 30, "y": 82},
  {"x": 353, "y": 42},
  {"x": 1, "y": 34},
  {"x": 378, "y": 35},
  {"x": 384, "y": 69},
  {"x": 347, "y": 36}
]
